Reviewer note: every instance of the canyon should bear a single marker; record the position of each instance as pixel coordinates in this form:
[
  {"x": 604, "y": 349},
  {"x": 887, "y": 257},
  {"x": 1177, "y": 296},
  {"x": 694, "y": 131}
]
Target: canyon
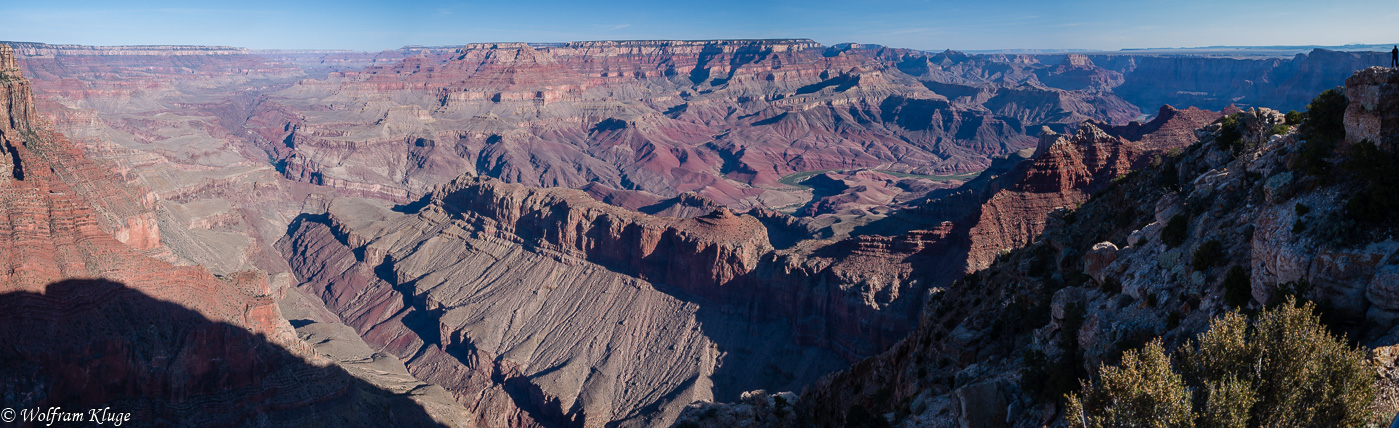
[
  {"x": 995, "y": 347},
  {"x": 586, "y": 233},
  {"x": 94, "y": 318}
]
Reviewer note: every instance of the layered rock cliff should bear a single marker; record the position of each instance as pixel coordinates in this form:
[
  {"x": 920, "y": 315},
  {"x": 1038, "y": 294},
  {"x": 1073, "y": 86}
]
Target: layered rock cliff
[
  {"x": 546, "y": 307},
  {"x": 91, "y": 321},
  {"x": 843, "y": 298},
  {"x": 398, "y": 277},
  {"x": 664, "y": 116},
  {"x": 658, "y": 126},
  {"x": 168, "y": 122},
  {"x": 1158, "y": 254},
  {"x": 727, "y": 119},
  {"x": 1065, "y": 170}
]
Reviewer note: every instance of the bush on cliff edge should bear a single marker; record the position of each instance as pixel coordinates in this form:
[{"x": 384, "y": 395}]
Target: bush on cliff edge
[
  {"x": 1322, "y": 127},
  {"x": 1281, "y": 369}
]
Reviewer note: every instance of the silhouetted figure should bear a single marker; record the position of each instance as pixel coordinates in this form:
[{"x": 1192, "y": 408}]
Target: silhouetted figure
[{"x": 1394, "y": 57}]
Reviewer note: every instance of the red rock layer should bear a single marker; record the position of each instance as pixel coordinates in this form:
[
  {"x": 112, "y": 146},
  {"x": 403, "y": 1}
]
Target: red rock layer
[
  {"x": 725, "y": 119},
  {"x": 1065, "y": 170},
  {"x": 853, "y": 296},
  {"x": 172, "y": 343},
  {"x": 700, "y": 255}
]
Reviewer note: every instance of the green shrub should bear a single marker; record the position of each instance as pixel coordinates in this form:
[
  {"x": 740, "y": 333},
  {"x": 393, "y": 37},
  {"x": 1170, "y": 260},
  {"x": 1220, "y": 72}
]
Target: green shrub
[
  {"x": 1287, "y": 370},
  {"x": 1143, "y": 391},
  {"x": 1229, "y": 134},
  {"x": 1120, "y": 177},
  {"x": 1170, "y": 177},
  {"x": 1322, "y": 128},
  {"x": 1175, "y": 231},
  {"x": 1074, "y": 314},
  {"x": 1207, "y": 254},
  {"x": 1326, "y": 114},
  {"x": 1336, "y": 229},
  {"x": 1238, "y": 287},
  {"x": 1283, "y": 370},
  {"x": 1377, "y": 201},
  {"x": 1293, "y": 118},
  {"x": 1227, "y": 403},
  {"x": 1047, "y": 379},
  {"x": 1299, "y": 290}
]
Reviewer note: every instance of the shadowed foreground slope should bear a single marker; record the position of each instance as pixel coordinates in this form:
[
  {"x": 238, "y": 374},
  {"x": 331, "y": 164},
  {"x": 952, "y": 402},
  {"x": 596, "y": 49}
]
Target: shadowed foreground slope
[{"x": 93, "y": 343}]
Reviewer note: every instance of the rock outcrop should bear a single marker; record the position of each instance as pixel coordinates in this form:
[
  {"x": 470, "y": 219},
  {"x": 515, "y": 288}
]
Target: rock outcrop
[
  {"x": 1373, "y": 112},
  {"x": 1065, "y": 171},
  {"x": 996, "y": 347},
  {"x": 18, "y": 113}
]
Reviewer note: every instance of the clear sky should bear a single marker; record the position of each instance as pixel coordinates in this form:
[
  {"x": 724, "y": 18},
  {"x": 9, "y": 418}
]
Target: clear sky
[{"x": 926, "y": 24}]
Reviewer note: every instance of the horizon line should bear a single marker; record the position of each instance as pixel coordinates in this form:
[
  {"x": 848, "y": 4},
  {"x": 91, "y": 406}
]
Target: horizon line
[{"x": 779, "y": 39}]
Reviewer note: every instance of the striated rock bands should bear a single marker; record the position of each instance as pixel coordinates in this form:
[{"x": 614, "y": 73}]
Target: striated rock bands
[
  {"x": 398, "y": 278},
  {"x": 726, "y": 119},
  {"x": 1224, "y": 228},
  {"x": 546, "y": 307},
  {"x": 504, "y": 308},
  {"x": 48, "y": 50},
  {"x": 90, "y": 321},
  {"x": 1065, "y": 170}
]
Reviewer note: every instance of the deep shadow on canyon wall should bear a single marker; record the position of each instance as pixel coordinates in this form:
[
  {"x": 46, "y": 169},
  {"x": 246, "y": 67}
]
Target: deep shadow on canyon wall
[{"x": 95, "y": 343}]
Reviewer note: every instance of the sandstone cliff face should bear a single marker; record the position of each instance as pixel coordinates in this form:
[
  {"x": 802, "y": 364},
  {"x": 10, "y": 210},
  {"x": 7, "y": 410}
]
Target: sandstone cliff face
[
  {"x": 701, "y": 255},
  {"x": 92, "y": 321},
  {"x": 1106, "y": 277},
  {"x": 754, "y": 111},
  {"x": 1065, "y": 170},
  {"x": 18, "y": 113},
  {"x": 657, "y": 116}
]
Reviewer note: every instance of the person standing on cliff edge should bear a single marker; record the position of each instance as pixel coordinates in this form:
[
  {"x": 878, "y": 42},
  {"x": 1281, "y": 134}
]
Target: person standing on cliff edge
[{"x": 1394, "y": 57}]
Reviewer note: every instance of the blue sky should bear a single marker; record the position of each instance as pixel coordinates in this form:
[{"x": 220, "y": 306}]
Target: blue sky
[{"x": 927, "y": 24}]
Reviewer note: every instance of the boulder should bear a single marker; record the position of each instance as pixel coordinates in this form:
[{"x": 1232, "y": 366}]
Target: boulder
[
  {"x": 983, "y": 405},
  {"x": 1096, "y": 261}
]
